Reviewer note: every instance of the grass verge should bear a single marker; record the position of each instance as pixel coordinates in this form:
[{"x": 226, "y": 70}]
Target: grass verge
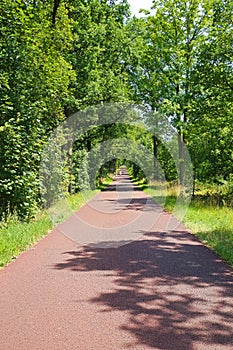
[
  {"x": 17, "y": 237},
  {"x": 213, "y": 226}
]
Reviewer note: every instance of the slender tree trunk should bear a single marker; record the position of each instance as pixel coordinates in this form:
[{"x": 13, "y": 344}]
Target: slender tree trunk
[
  {"x": 89, "y": 144},
  {"x": 155, "y": 153},
  {"x": 56, "y": 4},
  {"x": 155, "y": 147},
  {"x": 194, "y": 181},
  {"x": 181, "y": 157},
  {"x": 70, "y": 167},
  {"x": 181, "y": 144}
]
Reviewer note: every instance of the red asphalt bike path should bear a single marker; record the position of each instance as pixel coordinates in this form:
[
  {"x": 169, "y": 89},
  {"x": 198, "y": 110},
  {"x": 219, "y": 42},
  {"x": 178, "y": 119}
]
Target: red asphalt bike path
[{"x": 120, "y": 274}]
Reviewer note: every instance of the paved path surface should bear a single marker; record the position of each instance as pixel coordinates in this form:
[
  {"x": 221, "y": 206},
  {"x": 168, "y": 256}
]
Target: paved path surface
[{"x": 156, "y": 287}]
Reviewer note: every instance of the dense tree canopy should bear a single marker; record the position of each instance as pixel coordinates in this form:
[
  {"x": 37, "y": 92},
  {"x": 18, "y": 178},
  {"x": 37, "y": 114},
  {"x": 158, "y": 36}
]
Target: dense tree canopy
[{"x": 59, "y": 57}]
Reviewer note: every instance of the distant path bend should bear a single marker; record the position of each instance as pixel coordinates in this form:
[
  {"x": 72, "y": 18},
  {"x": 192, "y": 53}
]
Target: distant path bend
[{"x": 138, "y": 281}]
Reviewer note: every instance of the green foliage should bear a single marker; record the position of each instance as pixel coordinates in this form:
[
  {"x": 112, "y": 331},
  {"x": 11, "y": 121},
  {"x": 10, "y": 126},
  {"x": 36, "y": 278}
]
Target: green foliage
[
  {"x": 176, "y": 60},
  {"x": 99, "y": 52},
  {"x": 35, "y": 77},
  {"x": 52, "y": 66},
  {"x": 84, "y": 180},
  {"x": 19, "y": 185},
  {"x": 183, "y": 69},
  {"x": 53, "y": 169}
]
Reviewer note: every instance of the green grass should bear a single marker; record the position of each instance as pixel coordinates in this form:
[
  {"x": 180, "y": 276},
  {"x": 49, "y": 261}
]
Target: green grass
[
  {"x": 213, "y": 225},
  {"x": 16, "y": 236},
  {"x": 207, "y": 217}
]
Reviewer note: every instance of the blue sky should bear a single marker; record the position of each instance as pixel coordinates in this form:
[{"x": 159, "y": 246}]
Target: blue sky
[{"x": 137, "y": 4}]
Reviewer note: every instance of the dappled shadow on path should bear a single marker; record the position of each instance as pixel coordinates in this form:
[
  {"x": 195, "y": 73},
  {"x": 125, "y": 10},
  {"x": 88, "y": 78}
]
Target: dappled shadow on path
[
  {"x": 176, "y": 292},
  {"x": 138, "y": 204},
  {"x": 123, "y": 185}
]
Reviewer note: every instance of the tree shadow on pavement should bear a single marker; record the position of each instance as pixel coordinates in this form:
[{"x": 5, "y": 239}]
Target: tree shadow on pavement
[
  {"x": 137, "y": 204},
  {"x": 121, "y": 187},
  {"x": 176, "y": 292}
]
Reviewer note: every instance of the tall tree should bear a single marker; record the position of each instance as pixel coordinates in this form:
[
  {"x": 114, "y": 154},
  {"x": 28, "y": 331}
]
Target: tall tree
[{"x": 165, "y": 77}]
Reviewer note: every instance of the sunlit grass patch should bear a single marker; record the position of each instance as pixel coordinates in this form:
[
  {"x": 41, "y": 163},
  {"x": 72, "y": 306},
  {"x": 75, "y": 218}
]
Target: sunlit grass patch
[
  {"x": 17, "y": 236},
  {"x": 213, "y": 226}
]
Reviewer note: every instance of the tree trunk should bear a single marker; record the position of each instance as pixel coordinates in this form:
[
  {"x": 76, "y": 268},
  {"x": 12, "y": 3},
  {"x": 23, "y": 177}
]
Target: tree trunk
[
  {"x": 56, "y": 4},
  {"x": 181, "y": 157},
  {"x": 155, "y": 153},
  {"x": 70, "y": 167}
]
